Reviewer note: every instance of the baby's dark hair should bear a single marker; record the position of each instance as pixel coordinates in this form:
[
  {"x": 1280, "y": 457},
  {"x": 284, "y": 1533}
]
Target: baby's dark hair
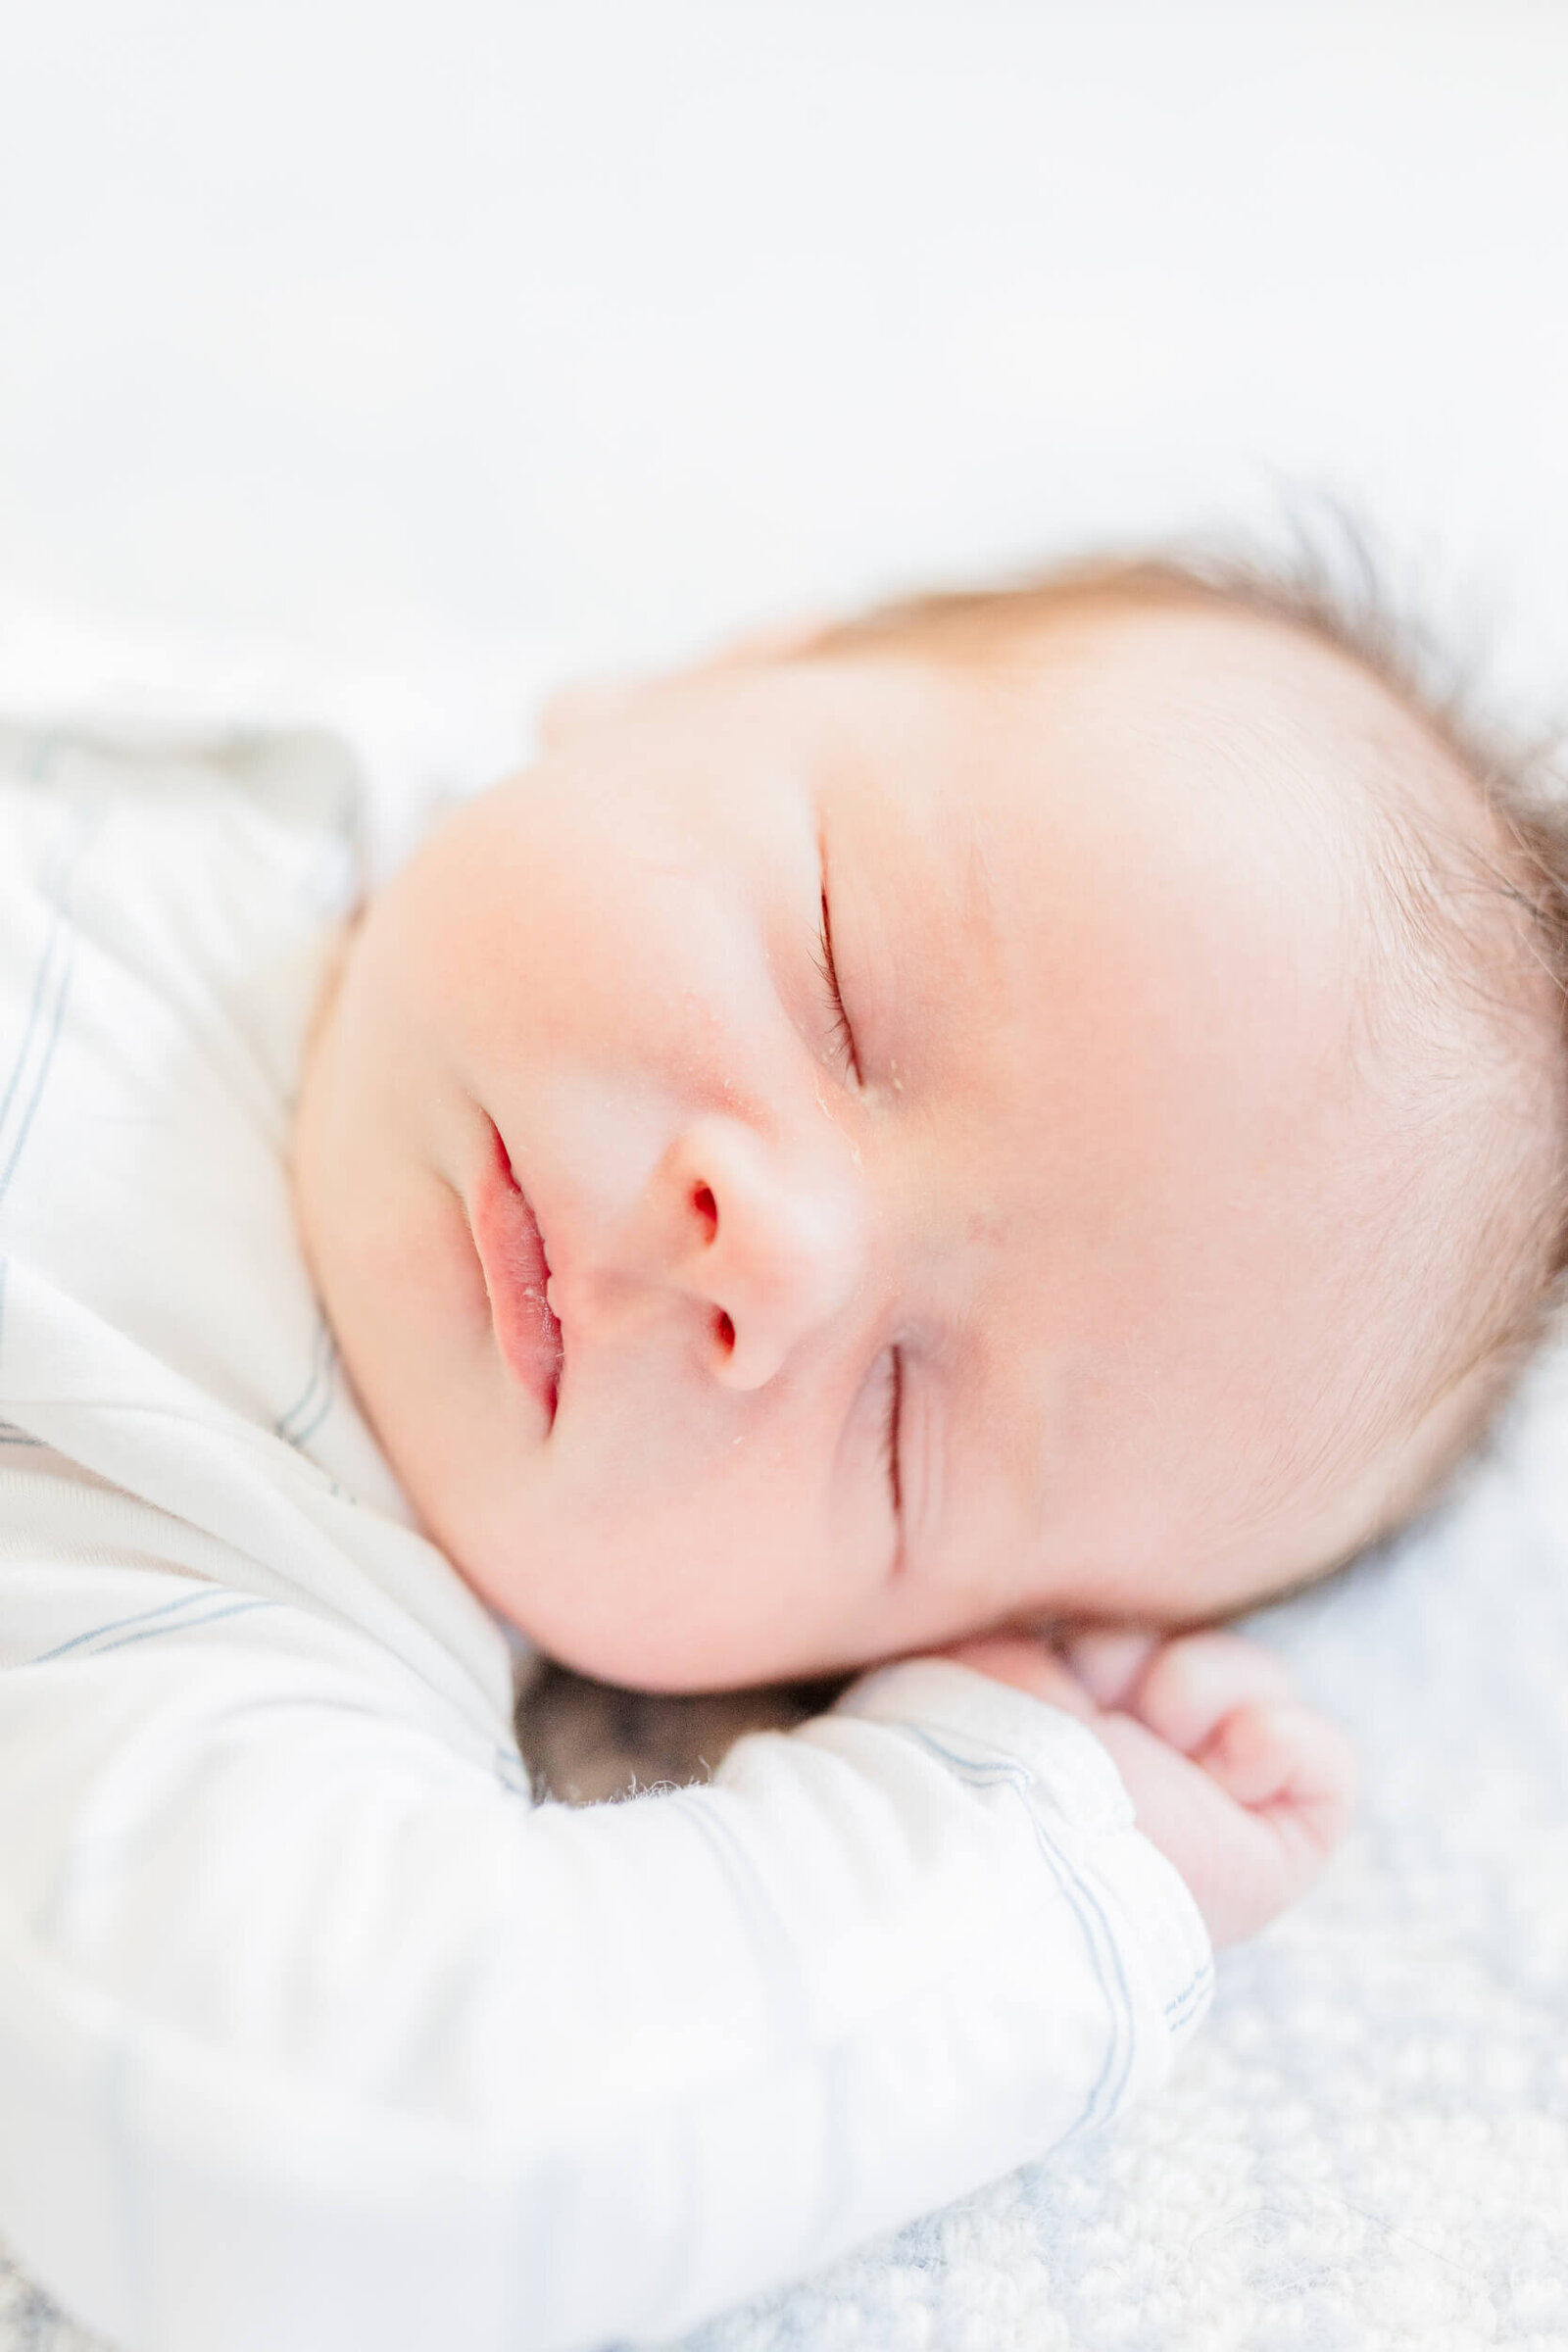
[{"x": 1483, "y": 919}]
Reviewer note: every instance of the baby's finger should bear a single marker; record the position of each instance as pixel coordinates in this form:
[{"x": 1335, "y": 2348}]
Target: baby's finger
[
  {"x": 1189, "y": 1685},
  {"x": 1243, "y": 1863},
  {"x": 1239, "y": 1870},
  {"x": 1285, "y": 1759},
  {"x": 1108, "y": 1661}
]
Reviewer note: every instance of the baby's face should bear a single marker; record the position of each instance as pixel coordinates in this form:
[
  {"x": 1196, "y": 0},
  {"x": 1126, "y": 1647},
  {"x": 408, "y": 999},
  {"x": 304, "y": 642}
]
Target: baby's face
[{"x": 851, "y": 1150}]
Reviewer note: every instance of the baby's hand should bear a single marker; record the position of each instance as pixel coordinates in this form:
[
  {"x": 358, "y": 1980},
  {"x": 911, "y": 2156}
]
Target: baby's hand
[{"x": 1239, "y": 1785}]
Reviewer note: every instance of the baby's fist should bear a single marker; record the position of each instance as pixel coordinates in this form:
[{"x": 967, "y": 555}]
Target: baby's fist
[{"x": 1241, "y": 1786}]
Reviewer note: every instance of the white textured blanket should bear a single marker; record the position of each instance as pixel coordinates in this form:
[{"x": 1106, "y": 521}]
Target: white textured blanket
[{"x": 1368, "y": 2146}]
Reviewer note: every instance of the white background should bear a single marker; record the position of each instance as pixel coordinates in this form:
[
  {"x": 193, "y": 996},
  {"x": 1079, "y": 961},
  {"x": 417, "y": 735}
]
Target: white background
[{"x": 610, "y": 325}]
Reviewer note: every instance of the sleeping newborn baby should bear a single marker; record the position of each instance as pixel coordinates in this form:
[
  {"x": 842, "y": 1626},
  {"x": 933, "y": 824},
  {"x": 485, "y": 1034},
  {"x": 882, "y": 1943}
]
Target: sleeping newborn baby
[
  {"x": 988, "y": 1137},
  {"x": 1013, "y": 1111}
]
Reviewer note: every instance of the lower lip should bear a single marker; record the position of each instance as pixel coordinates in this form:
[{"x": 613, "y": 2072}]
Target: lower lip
[{"x": 512, "y": 1256}]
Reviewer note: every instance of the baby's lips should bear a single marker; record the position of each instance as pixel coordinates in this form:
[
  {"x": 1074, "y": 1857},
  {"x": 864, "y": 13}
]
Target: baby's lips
[{"x": 516, "y": 1274}]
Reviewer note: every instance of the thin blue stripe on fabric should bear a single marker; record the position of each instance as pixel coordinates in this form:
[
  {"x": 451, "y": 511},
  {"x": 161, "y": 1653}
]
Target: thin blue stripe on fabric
[
  {"x": 143, "y": 1627},
  {"x": 190, "y": 1625},
  {"x": 982, "y": 1772},
  {"x": 309, "y": 1411},
  {"x": 116, "y": 1625}
]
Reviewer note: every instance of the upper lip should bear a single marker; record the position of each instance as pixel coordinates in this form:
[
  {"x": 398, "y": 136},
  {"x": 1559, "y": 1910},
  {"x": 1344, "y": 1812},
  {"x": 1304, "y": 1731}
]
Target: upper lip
[{"x": 515, "y": 1264}]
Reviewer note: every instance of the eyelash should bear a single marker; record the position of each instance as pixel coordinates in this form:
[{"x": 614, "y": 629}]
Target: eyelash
[
  {"x": 890, "y": 1434},
  {"x": 843, "y": 1034}
]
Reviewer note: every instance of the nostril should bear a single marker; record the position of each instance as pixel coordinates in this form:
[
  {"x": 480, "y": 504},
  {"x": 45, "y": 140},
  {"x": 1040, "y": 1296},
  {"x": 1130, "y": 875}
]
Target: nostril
[
  {"x": 706, "y": 1208},
  {"x": 724, "y": 1333}
]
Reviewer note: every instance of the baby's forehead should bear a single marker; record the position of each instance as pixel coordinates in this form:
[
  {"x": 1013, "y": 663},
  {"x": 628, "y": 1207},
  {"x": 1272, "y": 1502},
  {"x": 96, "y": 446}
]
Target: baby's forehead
[
  {"x": 1187, "y": 690},
  {"x": 1248, "y": 789},
  {"x": 1182, "y": 757},
  {"x": 1164, "y": 650}
]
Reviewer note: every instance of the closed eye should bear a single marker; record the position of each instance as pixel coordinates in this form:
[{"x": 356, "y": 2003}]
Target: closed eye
[
  {"x": 843, "y": 1035},
  {"x": 890, "y": 1441}
]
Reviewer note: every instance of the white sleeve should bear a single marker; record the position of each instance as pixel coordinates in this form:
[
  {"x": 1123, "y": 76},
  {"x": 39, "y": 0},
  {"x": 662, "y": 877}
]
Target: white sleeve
[{"x": 315, "y": 2033}]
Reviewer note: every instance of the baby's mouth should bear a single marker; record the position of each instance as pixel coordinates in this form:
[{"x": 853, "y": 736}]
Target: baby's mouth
[{"x": 516, "y": 1275}]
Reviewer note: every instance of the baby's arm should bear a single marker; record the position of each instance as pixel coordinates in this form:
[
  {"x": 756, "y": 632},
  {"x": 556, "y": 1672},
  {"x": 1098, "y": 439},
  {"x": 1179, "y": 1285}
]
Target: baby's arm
[
  {"x": 1239, "y": 1785},
  {"x": 312, "y": 2032}
]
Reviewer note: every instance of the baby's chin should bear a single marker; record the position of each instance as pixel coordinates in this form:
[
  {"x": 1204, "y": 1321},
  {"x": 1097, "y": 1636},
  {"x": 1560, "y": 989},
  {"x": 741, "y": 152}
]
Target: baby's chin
[{"x": 680, "y": 1657}]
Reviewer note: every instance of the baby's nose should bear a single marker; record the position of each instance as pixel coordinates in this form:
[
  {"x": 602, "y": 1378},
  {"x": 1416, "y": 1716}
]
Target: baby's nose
[{"x": 770, "y": 1248}]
